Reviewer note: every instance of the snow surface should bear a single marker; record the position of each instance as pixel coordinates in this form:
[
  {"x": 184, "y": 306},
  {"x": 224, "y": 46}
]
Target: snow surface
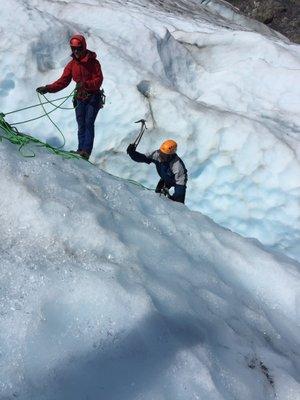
[
  {"x": 109, "y": 291},
  {"x": 224, "y": 86}
]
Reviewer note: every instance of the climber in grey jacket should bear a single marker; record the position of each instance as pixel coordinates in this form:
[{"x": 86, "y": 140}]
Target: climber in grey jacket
[{"x": 169, "y": 166}]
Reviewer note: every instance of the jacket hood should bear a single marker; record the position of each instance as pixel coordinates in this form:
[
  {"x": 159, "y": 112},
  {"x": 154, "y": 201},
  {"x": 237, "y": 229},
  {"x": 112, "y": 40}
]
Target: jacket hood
[
  {"x": 81, "y": 39},
  {"x": 88, "y": 54}
]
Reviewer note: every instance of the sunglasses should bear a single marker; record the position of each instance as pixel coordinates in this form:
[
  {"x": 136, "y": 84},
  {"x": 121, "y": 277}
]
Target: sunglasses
[{"x": 77, "y": 48}]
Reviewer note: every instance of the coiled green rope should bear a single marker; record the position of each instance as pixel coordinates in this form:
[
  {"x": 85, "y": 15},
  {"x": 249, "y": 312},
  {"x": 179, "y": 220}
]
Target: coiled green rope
[
  {"x": 21, "y": 139},
  {"x": 12, "y": 134}
]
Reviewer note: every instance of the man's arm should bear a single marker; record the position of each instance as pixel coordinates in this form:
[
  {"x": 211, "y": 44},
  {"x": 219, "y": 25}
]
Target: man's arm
[
  {"x": 136, "y": 156},
  {"x": 63, "y": 81}
]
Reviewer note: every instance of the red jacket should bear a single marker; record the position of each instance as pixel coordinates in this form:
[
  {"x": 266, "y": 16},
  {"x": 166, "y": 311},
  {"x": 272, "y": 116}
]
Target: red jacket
[{"x": 87, "y": 71}]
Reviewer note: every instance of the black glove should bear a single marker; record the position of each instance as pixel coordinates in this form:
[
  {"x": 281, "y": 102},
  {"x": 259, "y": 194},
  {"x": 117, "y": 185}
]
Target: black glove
[
  {"x": 165, "y": 192},
  {"x": 42, "y": 89},
  {"x": 79, "y": 85},
  {"x": 131, "y": 148}
]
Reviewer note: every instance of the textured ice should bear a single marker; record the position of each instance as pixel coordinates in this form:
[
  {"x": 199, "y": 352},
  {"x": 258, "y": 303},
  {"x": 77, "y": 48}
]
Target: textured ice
[
  {"x": 224, "y": 86},
  {"x": 228, "y": 94},
  {"x": 108, "y": 291}
]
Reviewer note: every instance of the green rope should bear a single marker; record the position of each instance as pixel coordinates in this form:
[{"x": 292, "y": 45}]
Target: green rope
[
  {"x": 41, "y": 104},
  {"x": 22, "y": 139},
  {"x": 138, "y": 184},
  {"x": 61, "y": 108},
  {"x": 127, "y": 180},
  {"x": 25, "y": 139},
  {"x": 47, "y": 113},
  {"x": 35, "y": 105},
  {"x": 14, "y": 136}
]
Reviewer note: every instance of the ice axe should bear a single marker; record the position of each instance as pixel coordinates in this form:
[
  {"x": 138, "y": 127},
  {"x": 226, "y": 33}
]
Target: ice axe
[{"x": 143, "y": 128}]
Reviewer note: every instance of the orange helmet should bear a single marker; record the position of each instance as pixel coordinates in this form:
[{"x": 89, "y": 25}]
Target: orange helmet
[{"x": 168, "y": 147}]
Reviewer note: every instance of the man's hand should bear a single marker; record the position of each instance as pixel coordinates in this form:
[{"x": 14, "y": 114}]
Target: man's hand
[
  {"x": 165, "y": 192},
  {"x": 42, "y": 89},
  {"x": 131, "y": 148},
  {"x": 79, "y": 85}
]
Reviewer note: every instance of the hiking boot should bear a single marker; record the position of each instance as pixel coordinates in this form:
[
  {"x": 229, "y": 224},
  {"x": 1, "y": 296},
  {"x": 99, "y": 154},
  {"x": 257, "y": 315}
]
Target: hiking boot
[
  {"x": 75, "y": 152},
  {"x": 84, "y": 154}
]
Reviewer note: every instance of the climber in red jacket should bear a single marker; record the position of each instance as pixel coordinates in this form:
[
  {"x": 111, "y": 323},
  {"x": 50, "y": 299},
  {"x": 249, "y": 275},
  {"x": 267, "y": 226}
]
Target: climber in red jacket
[{"x": 85, "y": 70}]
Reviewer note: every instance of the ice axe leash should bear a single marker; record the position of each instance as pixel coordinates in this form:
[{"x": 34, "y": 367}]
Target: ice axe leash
[{"x": 142, "y": 130}]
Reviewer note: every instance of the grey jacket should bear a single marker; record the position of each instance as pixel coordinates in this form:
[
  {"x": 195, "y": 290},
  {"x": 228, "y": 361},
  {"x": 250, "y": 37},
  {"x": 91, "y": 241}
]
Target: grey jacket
[{"x": 172, "y": 172}]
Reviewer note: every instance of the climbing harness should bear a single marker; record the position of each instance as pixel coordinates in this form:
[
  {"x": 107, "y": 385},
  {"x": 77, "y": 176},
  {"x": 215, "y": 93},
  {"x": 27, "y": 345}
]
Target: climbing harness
[{"x": 102, "y": 98}]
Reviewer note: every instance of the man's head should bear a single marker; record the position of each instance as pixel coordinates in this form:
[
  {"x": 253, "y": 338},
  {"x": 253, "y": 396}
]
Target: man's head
[
  {"x": 78, "y": 46},
  {"x": 167, "y": 150}
]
